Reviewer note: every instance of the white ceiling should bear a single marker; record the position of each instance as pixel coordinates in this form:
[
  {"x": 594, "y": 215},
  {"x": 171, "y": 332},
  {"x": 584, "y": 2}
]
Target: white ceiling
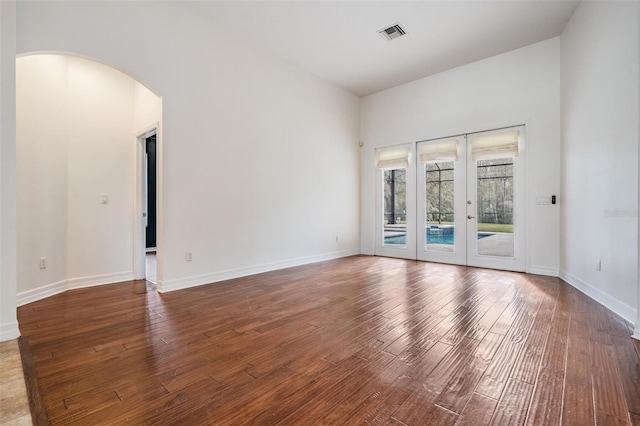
[{"x": 338, "y": 40}]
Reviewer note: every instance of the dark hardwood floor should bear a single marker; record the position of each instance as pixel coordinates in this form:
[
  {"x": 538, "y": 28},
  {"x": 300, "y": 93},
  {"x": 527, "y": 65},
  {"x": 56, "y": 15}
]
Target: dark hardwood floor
[{"x": 360, "y": 340}]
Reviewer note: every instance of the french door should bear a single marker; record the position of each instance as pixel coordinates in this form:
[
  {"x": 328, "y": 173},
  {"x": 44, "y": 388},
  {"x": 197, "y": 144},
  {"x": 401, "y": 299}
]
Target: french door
[
  {"x": 396, "y": 210},
  {"x": 469, "y": 202}
]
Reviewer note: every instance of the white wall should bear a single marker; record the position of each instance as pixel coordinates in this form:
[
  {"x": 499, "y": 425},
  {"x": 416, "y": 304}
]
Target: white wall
[
  {"x": 518, "y": 87},
  {"x": 42, "y": 150},
  {"x": 100, "y": 161},
  {"x": 8, "y": 319},
  {"x": 147, "y": 109},
  {"x": 636, "y": 333},
  {"x": 260, "y": 159},
  {"x": 600, "y": 152},
  {"x": 76, "y": 127}
]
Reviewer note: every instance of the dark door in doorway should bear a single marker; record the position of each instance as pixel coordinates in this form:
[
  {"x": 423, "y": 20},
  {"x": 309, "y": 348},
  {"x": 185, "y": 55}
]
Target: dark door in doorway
[{"x": 150, "y": 150}]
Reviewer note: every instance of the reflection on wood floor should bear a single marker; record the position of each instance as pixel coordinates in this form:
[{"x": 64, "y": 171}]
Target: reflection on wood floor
[
  {"x": 350, "y": 341},
  {"x": 151, "y": 266}
]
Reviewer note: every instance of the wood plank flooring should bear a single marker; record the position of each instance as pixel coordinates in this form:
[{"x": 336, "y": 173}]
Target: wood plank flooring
[{"x": 360, "y": 340}]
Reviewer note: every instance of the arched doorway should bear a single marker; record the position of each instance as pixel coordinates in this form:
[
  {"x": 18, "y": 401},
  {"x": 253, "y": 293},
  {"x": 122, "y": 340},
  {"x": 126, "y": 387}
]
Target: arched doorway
[{"x": 79, "y": 173}]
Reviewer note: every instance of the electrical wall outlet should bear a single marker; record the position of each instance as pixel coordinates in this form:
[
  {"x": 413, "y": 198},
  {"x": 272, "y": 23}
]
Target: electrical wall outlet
[
  {"x": 104, "y": 199},
  {"x": 598, "y": 265},
  {"x": 189, "y": 256},
  {"x": 337, "y": 238},
  {"x": 43, "y": 263}
]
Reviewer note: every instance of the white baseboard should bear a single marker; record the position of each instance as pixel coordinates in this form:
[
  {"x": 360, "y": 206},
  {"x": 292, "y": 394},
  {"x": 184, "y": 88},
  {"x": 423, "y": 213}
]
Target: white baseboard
[
  {"x": 543, "y": 270},
  {"x": 197, "y": 280},
  {"x": 94, "y": 280},
  {"x": 636, "y": 334},
  {"x": 61, "y": 286},
  {"x": 9, "y": 331},
  {"x": 41, "y": 292},
  {"x": 367, "y": 252},
  {"x": 625, "y": 311}
]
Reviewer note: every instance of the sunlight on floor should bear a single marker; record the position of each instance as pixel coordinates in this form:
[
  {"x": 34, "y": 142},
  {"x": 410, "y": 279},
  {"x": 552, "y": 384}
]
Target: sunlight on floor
[{"x": 151, "y": 274}]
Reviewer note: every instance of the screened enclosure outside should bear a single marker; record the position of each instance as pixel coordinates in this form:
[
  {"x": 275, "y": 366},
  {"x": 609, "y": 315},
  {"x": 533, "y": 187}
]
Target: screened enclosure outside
[
  {"x": 439, "y": 184},
  {"x": 495, "y": 205},
  {"x": 484, "y": 168},
  {"x": 395, "y": 206},
  {"x": 495, "y": 194},
  {"x": 439, "y": 205}
]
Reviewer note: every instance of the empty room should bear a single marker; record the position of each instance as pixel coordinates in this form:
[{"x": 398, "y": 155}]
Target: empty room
[{"x": 319, "y": 212}]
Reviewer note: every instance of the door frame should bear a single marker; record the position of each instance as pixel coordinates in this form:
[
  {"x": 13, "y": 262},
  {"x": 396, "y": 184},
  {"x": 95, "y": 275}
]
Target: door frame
[
  {"x": 413, "y": 164},
  {"x": 408, "y": 251},
  {"x": 139, "y": 232},
  {"x": 520, "y": 261},
  {"x": 459, "y": 255}
]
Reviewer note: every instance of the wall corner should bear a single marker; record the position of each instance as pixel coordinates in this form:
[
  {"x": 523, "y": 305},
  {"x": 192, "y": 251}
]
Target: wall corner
[{"x": 8, "y": 243}]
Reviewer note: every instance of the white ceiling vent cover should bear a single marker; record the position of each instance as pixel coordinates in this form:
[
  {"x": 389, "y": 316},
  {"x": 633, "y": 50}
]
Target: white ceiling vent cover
[{"x": 394, "y": 31}]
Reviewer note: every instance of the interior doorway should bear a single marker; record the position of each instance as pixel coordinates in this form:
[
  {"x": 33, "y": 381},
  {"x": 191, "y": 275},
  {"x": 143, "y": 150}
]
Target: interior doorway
[
  {"x": 147, "y": 209},
  {"x": 150, "y": 213},
  {"x": 150, "y": 191}
]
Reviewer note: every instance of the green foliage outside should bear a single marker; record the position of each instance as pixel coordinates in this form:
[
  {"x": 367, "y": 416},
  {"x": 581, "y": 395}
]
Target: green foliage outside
[
  {"x": 495, "y": 191},
  {"x": 495, "y": 227},
  {"x": 494, "y": 195},
  {"x": 395, "y": 197},
  {"x": 440, "y": 190}
]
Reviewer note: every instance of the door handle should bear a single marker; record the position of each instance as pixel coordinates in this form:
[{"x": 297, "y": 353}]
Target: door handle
[{"x": 470, "y": 217}]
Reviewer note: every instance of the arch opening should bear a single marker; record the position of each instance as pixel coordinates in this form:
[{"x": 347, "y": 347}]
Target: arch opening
[{"x": 80, "y": 173}]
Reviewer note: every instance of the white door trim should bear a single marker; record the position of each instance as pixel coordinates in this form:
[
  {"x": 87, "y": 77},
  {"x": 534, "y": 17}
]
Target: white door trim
[
  {"x": 519, "y": 261},
  {"x": 459, "y": 254},
  {"x": 408, "y": 250},
  {"x": 414, "y": 206}
]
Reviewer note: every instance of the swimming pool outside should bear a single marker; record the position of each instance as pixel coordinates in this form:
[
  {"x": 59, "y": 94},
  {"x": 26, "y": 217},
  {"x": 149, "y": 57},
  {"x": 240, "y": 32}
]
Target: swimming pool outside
[{"x": 447, "y": 239}]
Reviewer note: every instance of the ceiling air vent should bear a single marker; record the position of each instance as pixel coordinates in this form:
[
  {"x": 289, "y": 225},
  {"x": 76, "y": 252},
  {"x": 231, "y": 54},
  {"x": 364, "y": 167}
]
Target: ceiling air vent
[{"x": 392, "y": 32}]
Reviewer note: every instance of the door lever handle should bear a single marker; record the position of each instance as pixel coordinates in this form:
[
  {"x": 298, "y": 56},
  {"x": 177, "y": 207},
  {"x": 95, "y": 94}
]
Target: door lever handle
[{"x": 470, "y": 217}]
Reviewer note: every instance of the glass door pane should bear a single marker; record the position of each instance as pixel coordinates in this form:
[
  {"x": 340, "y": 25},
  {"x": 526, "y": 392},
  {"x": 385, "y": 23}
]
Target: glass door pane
[
  {"x": 494, "y": 229},
  {"x": 441, "y": 200},
  {"x": 395, "y": 202},
  {"x": 439, "y": 206},
  {"x": 496, "y": 206},
  {"x": 395, "y": 207}
]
